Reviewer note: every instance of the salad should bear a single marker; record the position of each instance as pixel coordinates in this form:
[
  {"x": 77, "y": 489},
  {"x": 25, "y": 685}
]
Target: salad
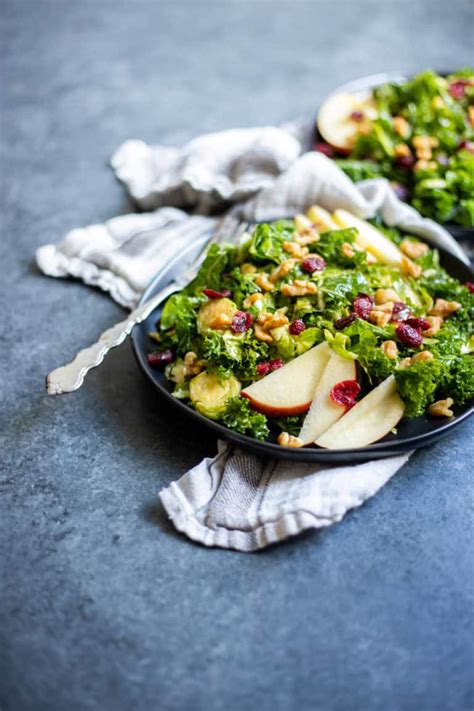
[
  {"x": 327, "y": 326},
  {"x": 419, "y": 135}
]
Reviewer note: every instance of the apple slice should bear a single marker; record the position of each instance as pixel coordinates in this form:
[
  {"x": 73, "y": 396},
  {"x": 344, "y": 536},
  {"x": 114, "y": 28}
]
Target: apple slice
[
  {"x": 370, "y": 238},
  {"x": 324, "y": 412},
  {"x": 321, "y": 219},
  {"x": 336, "y": 121},
  {"x": 368, "y": 421},
  {"x": 290, "y": 389}
]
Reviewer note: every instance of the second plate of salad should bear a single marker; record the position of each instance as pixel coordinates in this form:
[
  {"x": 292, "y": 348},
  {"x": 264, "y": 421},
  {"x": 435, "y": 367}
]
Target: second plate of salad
[{"x": 418, "y": 133}]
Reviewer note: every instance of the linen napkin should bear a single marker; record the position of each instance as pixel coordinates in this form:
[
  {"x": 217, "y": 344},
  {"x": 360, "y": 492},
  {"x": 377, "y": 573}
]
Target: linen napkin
[{"x": 234, "y": 500}]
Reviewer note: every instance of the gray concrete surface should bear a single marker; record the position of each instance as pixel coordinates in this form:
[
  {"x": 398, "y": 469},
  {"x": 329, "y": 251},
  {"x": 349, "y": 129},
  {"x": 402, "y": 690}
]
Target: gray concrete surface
[{"x": 103, "y": 606}]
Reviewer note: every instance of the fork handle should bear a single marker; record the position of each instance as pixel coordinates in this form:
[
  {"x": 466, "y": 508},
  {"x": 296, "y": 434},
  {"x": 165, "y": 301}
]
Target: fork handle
[{"x": 70, "y": 377}]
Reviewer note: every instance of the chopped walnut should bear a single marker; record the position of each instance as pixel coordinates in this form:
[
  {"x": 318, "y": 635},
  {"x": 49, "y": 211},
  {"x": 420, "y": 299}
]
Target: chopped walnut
[
  {"x": 389, "y": 349},
  {"x": 270, "y": 321},
  {"x": 441, "y": 408},
  {"x": 402, "y": 151},
  {"x": 287, "y": 440},
  {"x": 220, "y": 321},
  {"x": 425, "y": 164},
  {"x": 401, "y": 126},
  {"x": 436, "y": 323},
  {"x": 470, "y": 113},
  {"x": 193, "y": 366},
  {"x": 414, "y": 250},
  {"x": 410, "y": 268},
  {"x": 380, "y": 318},
  {"x": 299, "y": 287},
  {"x": 295, "y": 249},
  {"x": 383, "y": 295},
  {"x": 444, "y": 308},
  {"x": 264, "y": 282},
  {"x": 405, "y": 363},
  {"x": 247, "y": 268},
  {"x": 283, "y": 269},
  {"x": 253, "y": 300},
  {"x": 261, "y": 334},
  {"x": 423, "y": 146},
  {"x": 386, "y": 308},
  {"x": 423, "y": 355},
  {"x": 309, "y": 236},
  {"x": 347, "y": 250}
]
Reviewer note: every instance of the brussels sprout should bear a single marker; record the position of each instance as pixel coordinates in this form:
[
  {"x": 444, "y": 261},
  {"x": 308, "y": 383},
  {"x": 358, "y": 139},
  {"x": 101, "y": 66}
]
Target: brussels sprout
[
  {"x": 215, "y": 314},
  {"x": 210, "y": 393}
]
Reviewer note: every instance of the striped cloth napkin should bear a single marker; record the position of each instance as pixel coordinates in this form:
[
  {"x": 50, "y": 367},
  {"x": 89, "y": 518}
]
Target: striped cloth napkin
[{"x": 234, "y": 500}]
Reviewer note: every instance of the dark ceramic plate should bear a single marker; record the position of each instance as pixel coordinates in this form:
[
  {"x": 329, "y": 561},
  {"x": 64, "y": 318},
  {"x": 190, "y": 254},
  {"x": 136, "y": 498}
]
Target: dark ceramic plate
[
  {"x": 362, "y": 86},
  {"x": 411, "y": 434}
]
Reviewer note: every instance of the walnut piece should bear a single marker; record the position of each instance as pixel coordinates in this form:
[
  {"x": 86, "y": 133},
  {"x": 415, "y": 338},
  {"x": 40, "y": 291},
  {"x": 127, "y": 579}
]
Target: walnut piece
[
  {"x": 347, "y": 250},
  {"x": 425, "y": 164},
  {"x": 422, "y": 355},
  {"x": 287, "y": 440},
  {"x": 308, "y": 236},
  {"x": 410, "y": 268},
  {"x": 269, "y": 321},
  {"x": 380, "y": 318},
  {"x": 193, "y": 366},
  {"x": 401, "y": 126},
  {"x": 295, "y": 249},
  {"x": 414, "y": 250},
  {"x": 264, "y": 282},
  {"x": 389, "y": 349},
  {"x": 247, "y": 268},
  {"x": 381, "y": 296},
  {"x": 441, "y": 408},
  {"x": 283, "y": 269},
  {"x": 402, "y": 151},
  {"x": 262, "y": 335},
  {"x": 444, "y": 308},
  {"x": 436, "y": 323},
  {"x": 299, "y": 287}
]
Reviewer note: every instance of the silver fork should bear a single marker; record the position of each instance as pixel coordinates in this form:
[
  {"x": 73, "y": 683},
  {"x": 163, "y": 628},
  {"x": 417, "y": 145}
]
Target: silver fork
[{"x": 70, "y": 377}]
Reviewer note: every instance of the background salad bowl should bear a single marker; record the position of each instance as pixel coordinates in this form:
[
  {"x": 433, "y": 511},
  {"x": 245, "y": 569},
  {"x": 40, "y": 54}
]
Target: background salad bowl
[
  {"x": 332, "y": 129},
  {"x": 410, "y": 433}
]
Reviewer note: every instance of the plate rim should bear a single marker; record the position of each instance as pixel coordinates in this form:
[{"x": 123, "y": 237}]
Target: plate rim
[{"x": 303, "y": 454}]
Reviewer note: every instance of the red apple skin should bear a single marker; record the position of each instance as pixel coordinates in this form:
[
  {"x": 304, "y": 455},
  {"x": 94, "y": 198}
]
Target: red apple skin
[{"x": 277, "y": 411}]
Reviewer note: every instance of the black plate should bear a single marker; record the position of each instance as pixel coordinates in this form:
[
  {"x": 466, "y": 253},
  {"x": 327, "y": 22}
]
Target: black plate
[
  {"x": 365, "y": 84},
  {"x": 411, "y": 434}
]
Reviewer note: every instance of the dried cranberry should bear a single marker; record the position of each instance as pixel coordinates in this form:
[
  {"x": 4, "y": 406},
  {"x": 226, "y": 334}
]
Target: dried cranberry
[
  {"x": 470, "y": 286},
  {"x": 241, "y": 322},
  {"x": 456, "y": 89},
  {"x": 313, "y": 264},
  {"x": 409, "y": 336},
  {"x": 405, "y": 162},
  {"x": 357, "y": 116},
  {"x": 344, "y": 321},
  {"x": 345, "y": 392},
  {"x": 297, "y": 327},
  {"x": 363, "y": 305},
  {"x": 466, "y": 146},
  {"x": 276, "y": 363},
  {"x": 420, "y": 324},
  {"x": 160, "y": 359},
  {"x": 263, "y": 368},
  {"x": 400, "y": 311},
  {"x": 324, "y": 148},
  {"x": 213, "y": 294}
]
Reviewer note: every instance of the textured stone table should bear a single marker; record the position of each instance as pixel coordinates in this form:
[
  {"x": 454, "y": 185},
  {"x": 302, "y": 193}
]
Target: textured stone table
[{"x": 103, "y": 606}]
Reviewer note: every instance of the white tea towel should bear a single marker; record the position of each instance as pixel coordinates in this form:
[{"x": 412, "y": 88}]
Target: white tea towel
[
  {"x": 235, "y": 500},
  {"x": 239, "y": 501}
]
